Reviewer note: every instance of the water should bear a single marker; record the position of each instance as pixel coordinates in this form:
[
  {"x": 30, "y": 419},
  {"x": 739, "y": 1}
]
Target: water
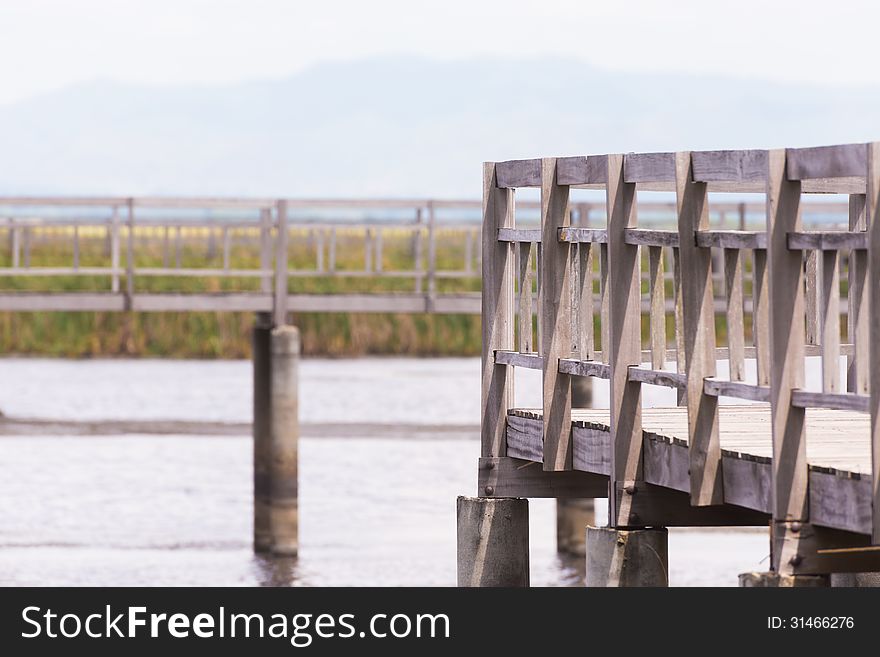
[{"x": 176, "y": 510}]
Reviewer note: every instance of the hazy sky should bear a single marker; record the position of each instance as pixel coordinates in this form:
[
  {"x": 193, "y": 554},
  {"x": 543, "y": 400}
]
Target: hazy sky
[{"x": 47, "y": 44}]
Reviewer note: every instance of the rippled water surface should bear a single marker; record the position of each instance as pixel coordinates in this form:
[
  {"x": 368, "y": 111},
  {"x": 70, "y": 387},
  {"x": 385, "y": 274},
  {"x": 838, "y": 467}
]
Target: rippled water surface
[{"x": 176, "y": 510}]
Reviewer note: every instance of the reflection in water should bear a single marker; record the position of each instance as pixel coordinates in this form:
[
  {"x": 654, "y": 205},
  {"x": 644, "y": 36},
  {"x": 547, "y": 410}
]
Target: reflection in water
[{"x": 275, "y": 571}]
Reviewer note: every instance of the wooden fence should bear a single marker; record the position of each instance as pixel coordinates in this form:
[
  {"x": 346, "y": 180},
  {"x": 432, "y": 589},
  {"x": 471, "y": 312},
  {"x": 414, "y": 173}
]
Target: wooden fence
[{"x": 776, "y": 296}]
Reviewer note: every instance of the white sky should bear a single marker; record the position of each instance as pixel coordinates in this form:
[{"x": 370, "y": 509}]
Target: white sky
[{"x": 47, "y": 44}]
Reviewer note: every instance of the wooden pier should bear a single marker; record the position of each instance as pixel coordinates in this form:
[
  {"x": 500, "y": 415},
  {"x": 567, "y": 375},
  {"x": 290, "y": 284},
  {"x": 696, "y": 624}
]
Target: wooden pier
[{"x": 802, "y": 461}]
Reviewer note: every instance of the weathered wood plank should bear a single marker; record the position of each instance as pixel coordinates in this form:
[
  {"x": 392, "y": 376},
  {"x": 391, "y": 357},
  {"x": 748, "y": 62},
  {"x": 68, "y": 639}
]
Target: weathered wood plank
[
  {"x": 832, "y": 240},
  {"x": 658, "y": 377},
  {"x": 733, "y": 283},
  {"x": 523, "y": 235},
  {"x": 857, "y": 303},
  {"x": 581, "y": 235},
  {"x": 761, "y": 316},
  {"x": 581, "y": 170},
  {"x": 648, "y": 167},
  {"x": 554, "y": 312},
  {"x": 678, "y": 309},
  {"x": 604, "y": 302},
  {"x": 657, "y": 316},
  {"x": 281, "y": 266},
  {"x": 786, "y": 297},
  {"x": 512, "y": 477},
  {"x": 529, "y": 361},
  {"x": 835, "y": 400},
  {"x": 625, "y": 336},
  {"x": 819, "y": 162},
  {"x": 584, "y": 321},
  {"x": 873, "y": 219},
  {"x": 738, "y": 389},
  {"x": 732, "y": 239},
  {"x": 577, "y": 367},
  {"x": 518, "y": 173},
  {"x": 730, "y": 166},
  {"x": 830, "y": 324},
  {"x": 651, "y": 237},
  {"x": 497, "y": 313},
  {"x": 704, "y": 448},
  {"x": 524, "y": 283},
  {"x": 812, "y": 300}
]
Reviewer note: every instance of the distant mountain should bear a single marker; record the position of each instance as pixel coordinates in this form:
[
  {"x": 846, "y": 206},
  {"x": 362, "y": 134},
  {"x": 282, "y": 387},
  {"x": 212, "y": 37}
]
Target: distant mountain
[{"x": 395, "y": 126}]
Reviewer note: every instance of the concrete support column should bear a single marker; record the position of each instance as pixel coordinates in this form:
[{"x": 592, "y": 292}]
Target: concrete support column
[
  {"x": 261, "y": 353},
  {"x": 627, "y": 557},
  {"x": 772, "y": 580},
  {"x": 493, "y": 541},
  {"x": 573, "y": 516},
  {"x": 284, "y": 440}
]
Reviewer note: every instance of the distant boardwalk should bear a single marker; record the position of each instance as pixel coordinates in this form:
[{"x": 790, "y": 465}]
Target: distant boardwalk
[{"x": 803, "y": 460}]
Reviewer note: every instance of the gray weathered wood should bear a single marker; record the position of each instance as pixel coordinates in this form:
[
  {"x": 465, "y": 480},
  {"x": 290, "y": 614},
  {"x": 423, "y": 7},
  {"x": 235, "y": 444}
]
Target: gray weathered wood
[
  {"x": 281, "y": 267},
  {"x": 514, "y": 477},
  {"x": 581, "y": 235},
  {"x": 733, "y": 283},
  {"x": 657, "y": 285},
  {"x": 497, "y": 312},
  {"x": 678, "y": 309},
  {"x": 830, "y": 324},
  {"x": 114, "y": 250},
  {"x": 812, "y": 300},
  {"x": 873, "y": 219},
  {"x": 843, "y": 161},
  {"x": 518, "y": 173},
  {"x": 761, "y": 316},
  {"x": 554, "y": 313},
  {"x": 833, "y": 400},
  {"x": 625, "y": 336},
  {"x": 519, "y": 235},
  {"x": 129, "y": 256},
  {"x": 786, "y": 300},
  {"x": 652, "y": 237},
  {"x": 584, "y": 296},
  {"x": 730, "y": 166},
  {"x": 699, "y": 337},
  {"x": 827, "y": 240},
  {"x": 529, "y": 361},
  {"x": 738, "y": 389},
  {"x": 524, "y": 284},
  {"x": 577, "y": 367},
  {"x": 581, "y": 170},
  {"x": 857, "y": 303},
  {"x": 649, "y": 167},
  {"x": 658, "y": 377},
  {"x": 604, "y": 302},
  {"x": 732, "y": 239}
]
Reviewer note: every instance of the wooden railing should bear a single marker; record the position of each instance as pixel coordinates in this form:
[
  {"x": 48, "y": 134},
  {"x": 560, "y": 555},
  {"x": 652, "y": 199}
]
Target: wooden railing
[{"x": 776, "y": 291}]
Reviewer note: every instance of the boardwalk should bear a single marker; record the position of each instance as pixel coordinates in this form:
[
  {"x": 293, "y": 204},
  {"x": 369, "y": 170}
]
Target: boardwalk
[{"x": 803, "y": 460}]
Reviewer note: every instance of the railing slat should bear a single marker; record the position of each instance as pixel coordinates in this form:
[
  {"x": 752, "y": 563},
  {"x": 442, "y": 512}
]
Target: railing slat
[
  {"x": 704, "y": 446},
  {"x": 733, "y": 283},
  {"x": 857, "y": 303},
  {"x": 554, "y": 312},
  {"x": 786, "y": 283},
  {"x": 524, "y": 285},
  {"x": 761, "y": 316},
  {"x": 584, "y": 320},
  {"x": 658, "y": 308},
  {"x": 873, "y": 218},
  {"x": 681, "y": 398},
  {"x": 496, "y": 389},
  {"x": 830, "y": 322},
  {"x": 624, "y": 340}
]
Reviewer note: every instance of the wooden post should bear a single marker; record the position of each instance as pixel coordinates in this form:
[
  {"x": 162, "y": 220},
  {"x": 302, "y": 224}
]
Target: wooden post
[
  {"x": 621, "y": 558},
  {"x": 813, "y": 292},
  {"x": 266, "y": 249},
  {"x": 497, "y": 314},
  {"x": 114, "y": 250},
  {"x": 284, "y": 432},
  {"x": 733, "y": 277},
  {"x": 657, "y": 285},
  {"x": 281, "y": 265},
  {"x": 681, "y": 393},
  {"x": 129, "y": 258},
  {"x": 830, "y": 321},
  {"x": 262, "y": 429},
  {"x": 873, "y": 217},
  {"x": 493, "y": 541},
  {"x": 16, "y": 244},
  {"x": 418, "y": 265},
  {"x": 704, "y": 444},
  {"x": 786, "y": 302},
  {"x": 554, "y": 312},
  {"x": 525, "y": 287},
  {"x": 624, "y": 347},
  {"x": 76, "y": 247},
  {"x": 761, "y": 316},
  {"x": 857, "y": 301},
  {"x": 432, "y": 257}
]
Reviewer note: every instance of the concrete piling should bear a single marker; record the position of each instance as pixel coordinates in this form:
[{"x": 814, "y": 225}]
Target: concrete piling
[
  {"x": 627, "y": 557},
  {"x": 262, "y": 356},
  {"x": 493, "y": 541},
  {"x": 284, "y": 440}
]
